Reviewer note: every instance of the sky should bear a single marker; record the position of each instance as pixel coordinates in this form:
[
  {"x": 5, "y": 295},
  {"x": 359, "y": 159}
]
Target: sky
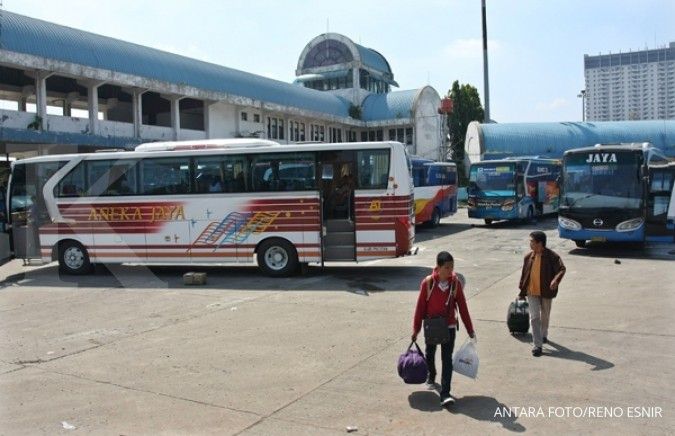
[{"x": 535, "y": 48}]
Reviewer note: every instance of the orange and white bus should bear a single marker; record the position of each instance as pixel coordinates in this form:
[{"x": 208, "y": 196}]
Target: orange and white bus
[
  {"x": 435, "y": 190},
  {"x": 215, "y": 202}
]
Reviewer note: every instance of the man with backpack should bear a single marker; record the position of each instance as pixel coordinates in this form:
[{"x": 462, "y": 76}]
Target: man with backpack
[
  {"x": 439, "y": 294},
  {"x": 542, "y": 272}
]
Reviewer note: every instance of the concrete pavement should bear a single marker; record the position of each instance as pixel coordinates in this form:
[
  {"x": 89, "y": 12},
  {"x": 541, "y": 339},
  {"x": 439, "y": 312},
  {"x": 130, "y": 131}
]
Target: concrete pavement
[{"x": 136, "y": 352}]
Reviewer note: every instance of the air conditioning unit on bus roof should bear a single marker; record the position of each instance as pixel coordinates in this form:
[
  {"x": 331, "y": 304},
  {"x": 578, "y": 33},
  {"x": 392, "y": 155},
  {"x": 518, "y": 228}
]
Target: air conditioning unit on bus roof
[{"x": 207, "y": 144}]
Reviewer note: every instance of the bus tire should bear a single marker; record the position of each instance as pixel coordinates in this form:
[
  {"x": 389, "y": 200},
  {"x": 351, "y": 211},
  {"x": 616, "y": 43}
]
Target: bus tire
[
  {"x": 277, "y": 257},
  {"x": 435, "y": 218},
  {"x": 73, "y": 258},
  {"x": 581, "y": 243},
  {"x": 488, "y": 221},
  {"x": 530, "y": 215}
]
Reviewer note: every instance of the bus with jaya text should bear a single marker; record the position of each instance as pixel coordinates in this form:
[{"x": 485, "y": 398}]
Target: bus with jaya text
[
  {"x": 435, "y": 190},
  {"x": 616, "y": 192},
  {"x": 215, "y": 202},
  {"x": 513, "y": 188}
]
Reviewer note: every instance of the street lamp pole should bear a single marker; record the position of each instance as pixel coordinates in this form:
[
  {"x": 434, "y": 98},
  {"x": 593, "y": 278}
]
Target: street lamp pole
[
  {"x": 582, "y": 95},
  {"x": 486, "y": 83}
]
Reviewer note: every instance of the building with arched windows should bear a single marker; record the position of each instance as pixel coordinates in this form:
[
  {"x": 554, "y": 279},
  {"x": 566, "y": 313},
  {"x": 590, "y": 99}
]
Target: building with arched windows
[{"x": 64, "y": 89}]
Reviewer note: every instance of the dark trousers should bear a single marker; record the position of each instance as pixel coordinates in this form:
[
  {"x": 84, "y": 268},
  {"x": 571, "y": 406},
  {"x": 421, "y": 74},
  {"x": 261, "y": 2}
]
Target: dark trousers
[{"x": 446, "y": 361}]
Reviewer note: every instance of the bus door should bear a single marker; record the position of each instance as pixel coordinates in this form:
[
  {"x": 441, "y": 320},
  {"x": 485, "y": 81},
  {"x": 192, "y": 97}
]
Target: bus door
[
  {"x": 27, "y": 209},
  {"x": 337, "y": 184},
  {"x": 660, "y": 191}
]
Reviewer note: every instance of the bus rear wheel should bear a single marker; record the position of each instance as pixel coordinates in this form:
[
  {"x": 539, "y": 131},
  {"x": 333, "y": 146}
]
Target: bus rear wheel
[
  {"x": 435, "y": 218},
  {"x": 73, "y": 258},
  {"x": 277, "y": 258}
]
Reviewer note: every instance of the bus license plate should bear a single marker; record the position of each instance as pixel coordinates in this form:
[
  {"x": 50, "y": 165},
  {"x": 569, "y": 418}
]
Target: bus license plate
[{"x": 598, "y": 239}]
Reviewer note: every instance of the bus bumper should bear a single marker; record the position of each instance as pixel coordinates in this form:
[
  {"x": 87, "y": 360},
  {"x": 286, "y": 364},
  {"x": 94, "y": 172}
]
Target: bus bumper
[
  {"x": 637, "y": 235},
  {"x": 493, "y": 213}
]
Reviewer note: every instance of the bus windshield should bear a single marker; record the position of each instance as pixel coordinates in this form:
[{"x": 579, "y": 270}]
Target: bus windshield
[
  {"x": 595, "y": 180},
  {"x": 493, "y": 179}
]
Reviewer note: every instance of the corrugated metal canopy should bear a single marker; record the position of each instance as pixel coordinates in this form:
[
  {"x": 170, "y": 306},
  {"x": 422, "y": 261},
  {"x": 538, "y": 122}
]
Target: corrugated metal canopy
[
  {"x": 44, "y": 39},
  {"x": 390, "y": 106},
  {"x": 552, "y": 139}
]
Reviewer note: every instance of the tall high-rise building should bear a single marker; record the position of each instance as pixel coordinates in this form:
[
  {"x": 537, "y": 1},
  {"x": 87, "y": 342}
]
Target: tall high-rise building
[{"x": 638, "y": 85}]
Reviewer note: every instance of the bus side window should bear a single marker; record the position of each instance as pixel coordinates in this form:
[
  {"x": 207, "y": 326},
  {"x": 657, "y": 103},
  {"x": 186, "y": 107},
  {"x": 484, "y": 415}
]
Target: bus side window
[{"x": 72, "y": 184}]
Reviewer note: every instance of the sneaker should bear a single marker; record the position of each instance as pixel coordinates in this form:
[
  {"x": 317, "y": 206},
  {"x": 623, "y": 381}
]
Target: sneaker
[
  {"x": 544, "y": 340},
  {"x": 447, "y": 401},
  {"x": 536, "y": 352}
]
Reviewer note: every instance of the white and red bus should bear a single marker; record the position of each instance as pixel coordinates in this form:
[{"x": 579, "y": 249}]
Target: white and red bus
[{"x": 215, "y": 202}]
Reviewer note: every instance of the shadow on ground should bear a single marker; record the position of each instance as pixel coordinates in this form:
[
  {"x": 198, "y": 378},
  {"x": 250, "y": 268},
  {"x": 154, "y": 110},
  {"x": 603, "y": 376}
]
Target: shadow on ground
[
  {"x": 361, "y": 280},
  {"x": 562, "y": 352},
  {"x": 625, "y": 250},
  {"x": 480, "y": 408}
]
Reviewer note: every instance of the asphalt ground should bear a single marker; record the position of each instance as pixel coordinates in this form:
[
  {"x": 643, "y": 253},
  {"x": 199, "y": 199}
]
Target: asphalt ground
[{"x": 131, "y": 350}]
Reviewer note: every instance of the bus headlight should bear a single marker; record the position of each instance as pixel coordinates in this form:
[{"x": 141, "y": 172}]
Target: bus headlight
[
  {"x": 630, "y": 225},
  {"x": 508, "y": 205},
  {"x": 568, "y": 224}
]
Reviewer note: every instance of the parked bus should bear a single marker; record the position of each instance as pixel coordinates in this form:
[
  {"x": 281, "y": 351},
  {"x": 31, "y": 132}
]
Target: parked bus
[
  {"x": 514, "y": 188},
  {"x": 215, "y": 202},
  {"x": 435, "y": 190},
  {"x": 616, "y": 193}
]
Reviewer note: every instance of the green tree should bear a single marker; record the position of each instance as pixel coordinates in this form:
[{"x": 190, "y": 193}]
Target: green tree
[{"x": 466, "y": 107}]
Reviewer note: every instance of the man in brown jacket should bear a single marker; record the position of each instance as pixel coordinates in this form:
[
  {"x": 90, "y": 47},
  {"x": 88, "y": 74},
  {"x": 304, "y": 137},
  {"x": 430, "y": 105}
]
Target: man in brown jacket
[{"x": 542, "y": 272}]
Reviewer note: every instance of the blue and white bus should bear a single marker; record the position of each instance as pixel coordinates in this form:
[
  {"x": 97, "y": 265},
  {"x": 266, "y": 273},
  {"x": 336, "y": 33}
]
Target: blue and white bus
[
  {"x": 513, "y": 189},
  {"x": 618, "y": 193},
  {"x": 435, "y": 190}
]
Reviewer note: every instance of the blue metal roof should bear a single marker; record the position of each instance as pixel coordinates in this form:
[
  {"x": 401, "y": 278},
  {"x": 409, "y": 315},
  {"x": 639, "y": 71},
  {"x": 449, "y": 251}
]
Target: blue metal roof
[
  {"x": 553, "y": 139},
  {"x": 373, "y": 59},
  {"x": 44, "y": 39},
  {"x": 390, "y": 106}
]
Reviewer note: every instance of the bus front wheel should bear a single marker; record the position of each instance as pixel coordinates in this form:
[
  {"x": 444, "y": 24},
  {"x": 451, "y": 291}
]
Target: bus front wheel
[
  {"x": 580, "y": 243},
  {"x": 277, "y": 258},
  {"x": 73, "y": 258},
  {"x": 488, "y": 221}
]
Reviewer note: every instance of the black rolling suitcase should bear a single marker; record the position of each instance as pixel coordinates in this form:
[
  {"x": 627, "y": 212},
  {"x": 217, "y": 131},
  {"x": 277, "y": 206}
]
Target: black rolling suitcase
[{"x": 518, "y": 317}]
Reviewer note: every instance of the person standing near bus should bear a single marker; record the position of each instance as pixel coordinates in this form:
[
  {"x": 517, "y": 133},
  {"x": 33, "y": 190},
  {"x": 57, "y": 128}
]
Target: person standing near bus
[
  {"x": 446, "y": 293},
  {"x": 542, "y": 272}
]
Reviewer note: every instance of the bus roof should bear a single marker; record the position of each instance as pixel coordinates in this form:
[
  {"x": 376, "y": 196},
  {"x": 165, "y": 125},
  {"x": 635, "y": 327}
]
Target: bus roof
[
  {"x": 628, "y": 146},
  {"x": 511, "y": 160},
  {"x": 232, "y": 149},
  {"x": 204, "y": 144}
]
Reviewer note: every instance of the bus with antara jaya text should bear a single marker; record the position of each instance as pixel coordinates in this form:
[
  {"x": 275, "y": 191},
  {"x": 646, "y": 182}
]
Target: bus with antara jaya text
[{"x": 215, "y": 202}]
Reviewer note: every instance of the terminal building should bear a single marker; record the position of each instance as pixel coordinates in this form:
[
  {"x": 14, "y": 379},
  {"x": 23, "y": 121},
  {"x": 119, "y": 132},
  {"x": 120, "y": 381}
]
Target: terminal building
[{"x": 66, "y": 90}]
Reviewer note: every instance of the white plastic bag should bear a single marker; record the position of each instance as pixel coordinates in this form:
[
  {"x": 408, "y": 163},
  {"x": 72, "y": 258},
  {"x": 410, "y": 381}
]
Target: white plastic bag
[{"x": 465, "y": 361}]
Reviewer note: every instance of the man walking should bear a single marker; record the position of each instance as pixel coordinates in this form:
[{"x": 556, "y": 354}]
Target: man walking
[{"x": 542, "y": 272}]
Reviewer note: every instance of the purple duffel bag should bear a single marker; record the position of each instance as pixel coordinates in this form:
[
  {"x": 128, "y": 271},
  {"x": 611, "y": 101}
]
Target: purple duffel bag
[{"x": 412, "y": 366}]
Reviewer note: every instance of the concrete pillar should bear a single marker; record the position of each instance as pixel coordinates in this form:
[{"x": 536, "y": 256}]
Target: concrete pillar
[
  {"x": 68, "y": 103},
  {"x": 92, "y": 103},
  {"x": 137, "y": 103},
  {"x": 207, "y": 114},
  {"x": 26, "y": 92},
  {"x": 41, "y": 94},
  {"x": 175, "y": 116}
]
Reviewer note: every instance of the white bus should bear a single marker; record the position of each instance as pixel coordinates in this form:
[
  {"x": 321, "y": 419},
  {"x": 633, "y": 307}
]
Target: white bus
[{"x": 215, "y": 202}]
